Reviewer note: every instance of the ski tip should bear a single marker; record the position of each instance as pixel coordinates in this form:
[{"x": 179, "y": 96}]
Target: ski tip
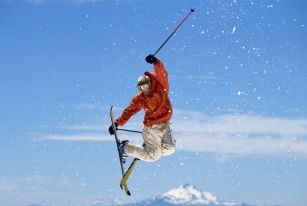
[
  {"x": 193, "y": 10},
  {"x": 124, "y": 187}
]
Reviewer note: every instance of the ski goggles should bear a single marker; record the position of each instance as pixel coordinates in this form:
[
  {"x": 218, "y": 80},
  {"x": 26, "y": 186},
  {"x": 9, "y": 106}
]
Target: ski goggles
[{"x": 143, "y": 87}]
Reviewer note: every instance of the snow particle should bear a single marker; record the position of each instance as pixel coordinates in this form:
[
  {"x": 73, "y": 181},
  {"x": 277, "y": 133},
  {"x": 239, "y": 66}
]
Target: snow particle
[{"x": 234, "y": 29}]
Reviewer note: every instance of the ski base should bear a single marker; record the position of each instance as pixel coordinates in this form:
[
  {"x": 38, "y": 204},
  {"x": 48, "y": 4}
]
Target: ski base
[{"x": 123, "y": 182}]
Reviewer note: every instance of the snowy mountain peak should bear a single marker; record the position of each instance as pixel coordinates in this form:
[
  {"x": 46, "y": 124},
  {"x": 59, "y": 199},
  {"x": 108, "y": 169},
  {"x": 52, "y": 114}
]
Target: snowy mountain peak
[
  {"x": 189, "y": 194},
  {"x": 186, "y": 194}
]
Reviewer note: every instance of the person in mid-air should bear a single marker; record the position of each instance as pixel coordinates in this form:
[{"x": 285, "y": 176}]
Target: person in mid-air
[{"x": 153, "y": 98}]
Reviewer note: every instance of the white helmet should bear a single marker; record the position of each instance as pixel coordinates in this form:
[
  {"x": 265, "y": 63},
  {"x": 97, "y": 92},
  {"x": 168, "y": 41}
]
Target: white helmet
[{"x": 144, "y": 79}]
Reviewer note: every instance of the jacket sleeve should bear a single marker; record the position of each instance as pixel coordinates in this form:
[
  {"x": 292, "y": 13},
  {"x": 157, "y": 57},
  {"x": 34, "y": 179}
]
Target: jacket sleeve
[
  {"x": 162, "y": 74},
  {"x": 133, "y": 108}
]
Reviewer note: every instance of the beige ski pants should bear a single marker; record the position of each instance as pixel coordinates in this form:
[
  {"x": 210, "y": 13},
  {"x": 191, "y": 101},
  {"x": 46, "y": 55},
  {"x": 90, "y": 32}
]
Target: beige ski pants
[{"x": 158, "y": 142}]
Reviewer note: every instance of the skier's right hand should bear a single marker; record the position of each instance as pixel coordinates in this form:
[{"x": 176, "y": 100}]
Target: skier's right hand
[
  {"x": 151, "y": 59},
  {"x": 111, "y": 129}
]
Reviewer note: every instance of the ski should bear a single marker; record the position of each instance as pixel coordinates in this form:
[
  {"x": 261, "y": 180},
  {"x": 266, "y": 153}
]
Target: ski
[
  {"x": 125, "y": 175},
  {"x": 128, "y": 172}
]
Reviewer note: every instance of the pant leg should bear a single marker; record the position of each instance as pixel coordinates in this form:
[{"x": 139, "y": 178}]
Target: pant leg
[
  {"x": 168, "y": 141},
  {"x": 152, "y": 147}
]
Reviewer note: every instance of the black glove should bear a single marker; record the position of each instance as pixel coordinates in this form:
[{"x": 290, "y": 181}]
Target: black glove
[
  {"x": 111, "y": 129},
  {"x": 151, "y": 59}
]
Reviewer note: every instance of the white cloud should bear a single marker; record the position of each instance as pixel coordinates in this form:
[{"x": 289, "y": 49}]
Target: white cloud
[
  {"x": 228, "y": 134},
  {"x": 244, "y": 145},
  {"x": 189, "y": 121},
  {"x": 245, "y": 134},
  {"x": 6, "y": 185},
  {"x": 85, "y": 128},
  {"x": 74, "y": 137},
  {"x": 65, "y": 181},
  {"x": 36, "y": 179}
]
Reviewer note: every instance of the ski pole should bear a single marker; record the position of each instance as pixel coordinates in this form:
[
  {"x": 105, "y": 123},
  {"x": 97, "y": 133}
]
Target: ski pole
[
  {"x": 179, "y": 25},
  {"x": 128, "y": 130}
]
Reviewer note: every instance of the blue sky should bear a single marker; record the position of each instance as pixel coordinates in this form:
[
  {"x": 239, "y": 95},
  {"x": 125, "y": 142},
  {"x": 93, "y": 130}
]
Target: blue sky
[{"x": 238, "y": 78}]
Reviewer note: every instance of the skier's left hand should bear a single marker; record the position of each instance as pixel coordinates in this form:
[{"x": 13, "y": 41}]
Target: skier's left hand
[
  {"x": 151, "y": 59},
  {"x": 111, "y": 129}
]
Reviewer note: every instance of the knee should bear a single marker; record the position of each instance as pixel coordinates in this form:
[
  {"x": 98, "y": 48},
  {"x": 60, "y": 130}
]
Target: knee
[
  {"x": 154, "y": 154},
  {"x": 169, "y": 151}
]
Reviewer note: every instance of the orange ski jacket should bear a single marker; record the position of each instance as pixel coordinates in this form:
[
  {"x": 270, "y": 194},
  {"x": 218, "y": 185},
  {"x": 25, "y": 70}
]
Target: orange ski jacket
[{"x": 157, "y": 106}]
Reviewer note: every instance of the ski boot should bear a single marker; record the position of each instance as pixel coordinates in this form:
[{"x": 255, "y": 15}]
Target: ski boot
[{"x": 122, "y": 153}]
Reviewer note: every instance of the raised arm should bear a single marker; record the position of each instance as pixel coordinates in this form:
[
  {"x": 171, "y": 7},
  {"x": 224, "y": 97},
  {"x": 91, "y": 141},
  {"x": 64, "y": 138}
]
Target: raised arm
[
  {"x": 160, "y": 70},
  {"x": 162, "y": 74}
]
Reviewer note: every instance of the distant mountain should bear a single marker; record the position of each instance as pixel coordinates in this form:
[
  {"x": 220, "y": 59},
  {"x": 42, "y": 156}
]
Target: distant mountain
[{"x": 185, "y": 195}]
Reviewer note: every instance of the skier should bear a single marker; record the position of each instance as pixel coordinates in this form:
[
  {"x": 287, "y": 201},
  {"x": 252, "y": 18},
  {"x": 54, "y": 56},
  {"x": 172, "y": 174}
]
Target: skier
[{"x": 153, "y": 98}]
